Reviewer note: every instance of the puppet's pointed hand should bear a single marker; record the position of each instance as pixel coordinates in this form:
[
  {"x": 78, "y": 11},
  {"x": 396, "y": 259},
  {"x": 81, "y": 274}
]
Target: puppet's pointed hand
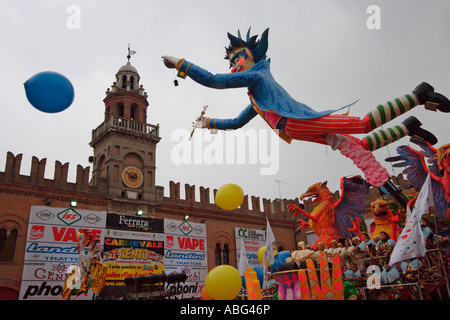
[{"x": 170, "y": 62}]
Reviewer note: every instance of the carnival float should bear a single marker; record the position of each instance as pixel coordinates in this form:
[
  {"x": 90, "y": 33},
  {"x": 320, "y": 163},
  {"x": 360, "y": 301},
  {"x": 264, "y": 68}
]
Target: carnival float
[
  {"x": 401, "y": 255},
  {"x": 343, "y": 252}
]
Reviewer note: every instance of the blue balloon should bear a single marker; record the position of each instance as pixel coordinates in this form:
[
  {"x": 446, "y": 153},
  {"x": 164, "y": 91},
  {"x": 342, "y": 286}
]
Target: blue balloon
[
  {"x": 279, "y": 259},
  {"x": 259, "y": 274},
  {"x": 244, "y": 285},
  {"x": 49, "y": 91}
]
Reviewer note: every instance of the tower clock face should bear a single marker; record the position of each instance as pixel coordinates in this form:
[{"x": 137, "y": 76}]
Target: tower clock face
[{"x": 132, "y": 177}]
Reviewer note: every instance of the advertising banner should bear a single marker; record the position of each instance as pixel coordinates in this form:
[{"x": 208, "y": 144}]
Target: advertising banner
[
  {"x": 130, "y": 253},
  {"x": 253, "y": 240},
  {"x": 52, "y": 248},
  {"x": 186, "y": 251},
  {"x": 116, "y": 221},
  {"x": 132, "y": 247}
]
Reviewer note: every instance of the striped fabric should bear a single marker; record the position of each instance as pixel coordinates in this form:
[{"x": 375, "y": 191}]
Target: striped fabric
[
  {"x": 315, "y": 130},
  {"x": 383, "y": 137},
  {"x": 391, "y": 109}
]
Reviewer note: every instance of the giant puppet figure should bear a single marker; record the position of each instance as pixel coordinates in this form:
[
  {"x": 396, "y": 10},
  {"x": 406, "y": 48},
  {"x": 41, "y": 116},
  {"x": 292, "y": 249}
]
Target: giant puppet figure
[{"x": 294, "y": 120}]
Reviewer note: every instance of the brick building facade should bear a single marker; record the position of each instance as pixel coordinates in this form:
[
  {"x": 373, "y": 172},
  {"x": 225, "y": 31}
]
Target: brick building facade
[{"x": 123, "y": 182}]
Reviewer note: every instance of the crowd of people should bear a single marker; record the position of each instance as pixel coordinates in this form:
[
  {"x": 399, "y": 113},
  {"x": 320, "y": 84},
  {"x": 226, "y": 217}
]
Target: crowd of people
[{"x": 365, "y": 264}]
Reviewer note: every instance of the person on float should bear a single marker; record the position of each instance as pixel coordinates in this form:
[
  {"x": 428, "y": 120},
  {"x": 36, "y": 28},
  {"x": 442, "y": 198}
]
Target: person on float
[
  {"x": 411, "y": 270},
  {"x": 334, "y": 248},
  {"x": 392, "y": 277},
  {"x": 385, "y": 246},
  {"x": 292, "y": 119},
  {"x": 348, "y": 252}
]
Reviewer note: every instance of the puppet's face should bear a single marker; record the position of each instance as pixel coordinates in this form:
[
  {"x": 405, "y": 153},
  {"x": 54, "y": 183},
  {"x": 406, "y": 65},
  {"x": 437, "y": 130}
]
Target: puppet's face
[{"x": 241, "y": 61}]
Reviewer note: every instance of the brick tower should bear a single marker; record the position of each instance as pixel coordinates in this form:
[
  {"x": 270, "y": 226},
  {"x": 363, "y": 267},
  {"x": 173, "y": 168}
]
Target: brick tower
[{"x": 125, "y": 146}]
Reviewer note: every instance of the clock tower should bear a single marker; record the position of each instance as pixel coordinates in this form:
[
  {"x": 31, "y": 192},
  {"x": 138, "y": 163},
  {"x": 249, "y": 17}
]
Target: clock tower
[{"x": 125, "y": 147}]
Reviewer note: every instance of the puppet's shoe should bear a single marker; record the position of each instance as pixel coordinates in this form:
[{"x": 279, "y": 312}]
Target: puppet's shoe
[
  {"x": 425, "y": 94},
  {"x": 414, "y": 129}
]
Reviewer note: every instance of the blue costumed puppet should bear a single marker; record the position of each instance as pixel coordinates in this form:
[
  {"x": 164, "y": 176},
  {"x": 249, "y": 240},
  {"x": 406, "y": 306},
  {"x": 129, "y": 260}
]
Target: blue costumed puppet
[{"x": 291, "y": 119}]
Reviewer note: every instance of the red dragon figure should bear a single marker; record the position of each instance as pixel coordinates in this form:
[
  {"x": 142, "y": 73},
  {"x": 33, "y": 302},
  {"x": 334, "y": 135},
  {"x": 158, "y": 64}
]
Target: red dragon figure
[
  {"x": 416, "y": 171},
  {"x": 332, "y": 220}
]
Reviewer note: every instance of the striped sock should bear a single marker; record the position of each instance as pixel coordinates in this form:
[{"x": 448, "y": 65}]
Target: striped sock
[
  {"x": 391, "y": 109},
  {"x": 376, "y": 140}
]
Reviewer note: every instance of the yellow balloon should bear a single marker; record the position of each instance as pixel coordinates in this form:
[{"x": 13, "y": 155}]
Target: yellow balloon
[
  {"x": 223, "y": 283},
  {"x": 229, "y": 196},
  {"x": 260, "y": 254}
]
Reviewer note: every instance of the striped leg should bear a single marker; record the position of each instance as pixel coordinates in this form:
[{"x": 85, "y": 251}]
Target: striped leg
[
  {"x": 390, "y": 110},
  {"x": 377, "y": 139},
  {"x": 411, "y": 127}
]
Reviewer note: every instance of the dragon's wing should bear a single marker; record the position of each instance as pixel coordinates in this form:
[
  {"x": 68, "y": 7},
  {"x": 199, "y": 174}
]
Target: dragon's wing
[
  {"x": 416, "y": 172},
  {"x": 429, "y": 152},
  {"x": 351, "y": 204},
  {"x": 440, "y": 203}
]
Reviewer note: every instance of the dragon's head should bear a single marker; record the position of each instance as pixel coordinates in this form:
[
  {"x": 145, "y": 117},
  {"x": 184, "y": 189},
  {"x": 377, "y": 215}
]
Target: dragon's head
[
  {"x": 317, "y": 193},
  {"x": 380, "y": 209},
  {"x": 443, "y": 158}
]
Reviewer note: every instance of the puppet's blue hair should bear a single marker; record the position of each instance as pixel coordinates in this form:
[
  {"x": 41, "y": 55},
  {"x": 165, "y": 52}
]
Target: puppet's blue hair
[{"x": 257, "y": 48}]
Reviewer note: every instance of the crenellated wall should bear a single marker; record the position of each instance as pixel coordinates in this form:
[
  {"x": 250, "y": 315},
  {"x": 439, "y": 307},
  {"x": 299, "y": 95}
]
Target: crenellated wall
[
  {"x": 252, "y": 205},
  {"x": 37, "y": 173},
  {"x": 255, "y": 206}
]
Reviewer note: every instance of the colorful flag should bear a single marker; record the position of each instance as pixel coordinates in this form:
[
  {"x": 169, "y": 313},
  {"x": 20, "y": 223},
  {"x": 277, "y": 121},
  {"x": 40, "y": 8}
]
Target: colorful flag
[
  {"x": 270, "y": 239},
  {"x": 411, "y": 242},
  {"x": 243, "y": 261}
]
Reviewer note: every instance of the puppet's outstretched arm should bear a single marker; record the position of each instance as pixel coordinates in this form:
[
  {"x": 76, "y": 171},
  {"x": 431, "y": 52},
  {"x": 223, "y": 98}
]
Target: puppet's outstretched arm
[
  {"x": 230, "y": 124},
  {"x": 207, "y": 79}
]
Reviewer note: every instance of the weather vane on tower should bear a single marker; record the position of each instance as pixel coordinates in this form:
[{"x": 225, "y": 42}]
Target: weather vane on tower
[{"x": 130, "y": 52}]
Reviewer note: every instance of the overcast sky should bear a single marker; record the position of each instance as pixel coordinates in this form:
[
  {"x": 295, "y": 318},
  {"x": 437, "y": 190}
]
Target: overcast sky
[{"x": 322, "y": 53}]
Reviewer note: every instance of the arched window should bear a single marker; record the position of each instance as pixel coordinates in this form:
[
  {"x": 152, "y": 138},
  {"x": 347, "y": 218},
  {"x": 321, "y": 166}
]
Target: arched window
[
  {"x": 218, "y": 254},
  {"x": 222, "y": 254},
  {"x": 124, "y": 81},
  {"x": 7, "y": 244},
  {"x": 131, "y": 82},
  {"x": 2, "y": 239},
  {"x": 226, "y": 254},
  {"x": 121, "y": 109},
  {"x": 107, "y": 112},
  {"x": 133, "y": 113}
]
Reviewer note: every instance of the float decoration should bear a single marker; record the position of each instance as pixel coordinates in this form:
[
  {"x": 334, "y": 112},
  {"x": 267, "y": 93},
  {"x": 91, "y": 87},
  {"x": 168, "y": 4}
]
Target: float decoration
[
  {"x": 252, "y": 284},
  {"x": 384, "y": 220},
  {"x": 307, "y": 284},
  {"x": 332, "y": 220},
  {"x": 197, "y": 121},
  {"x": 416, "y": 171},
  {"x": 90, "y": 272},
  {"x": 293, "y": 120}
]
